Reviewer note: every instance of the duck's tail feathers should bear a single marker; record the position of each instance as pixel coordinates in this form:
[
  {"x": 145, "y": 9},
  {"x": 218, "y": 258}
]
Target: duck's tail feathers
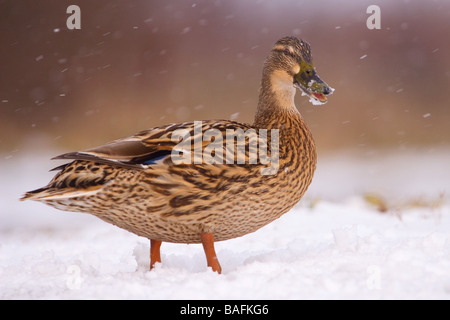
[{"x": 48, "y": 193}]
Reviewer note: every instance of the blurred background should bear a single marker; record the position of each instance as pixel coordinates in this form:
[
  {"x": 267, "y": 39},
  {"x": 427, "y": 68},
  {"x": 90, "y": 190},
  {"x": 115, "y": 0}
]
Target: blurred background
[
  {"x": 138, "y": 64},
  {"x": 383, "y": 138}
]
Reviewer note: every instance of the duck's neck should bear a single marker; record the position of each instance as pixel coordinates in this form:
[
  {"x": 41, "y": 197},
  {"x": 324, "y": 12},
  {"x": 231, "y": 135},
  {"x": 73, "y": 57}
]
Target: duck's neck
[{"x": 276, "y": 100}]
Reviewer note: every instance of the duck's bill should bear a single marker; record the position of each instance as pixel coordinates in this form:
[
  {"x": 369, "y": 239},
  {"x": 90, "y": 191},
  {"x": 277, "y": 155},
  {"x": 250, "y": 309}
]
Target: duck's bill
[{"x": 312, "y": 86}]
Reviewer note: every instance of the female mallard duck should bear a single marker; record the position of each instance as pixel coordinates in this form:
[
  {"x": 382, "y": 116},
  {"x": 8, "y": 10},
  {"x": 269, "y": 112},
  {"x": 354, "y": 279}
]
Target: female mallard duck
[{"x": 136, "y": 184}]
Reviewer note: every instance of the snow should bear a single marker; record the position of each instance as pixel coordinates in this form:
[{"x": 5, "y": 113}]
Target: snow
[
  {"x": 234, "y": 116},
  {"x": 333, "y": 245},
  {"x": 315, "y": 101}
]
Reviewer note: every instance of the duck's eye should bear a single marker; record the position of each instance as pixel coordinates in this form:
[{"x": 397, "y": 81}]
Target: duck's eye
[{"x": 288, "y": 52}]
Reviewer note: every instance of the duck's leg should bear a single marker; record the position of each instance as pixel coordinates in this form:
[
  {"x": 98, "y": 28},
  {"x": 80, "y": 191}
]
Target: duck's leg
[
  {"x": 208, "y": 246},
  {"x": 155, "y": 255}
]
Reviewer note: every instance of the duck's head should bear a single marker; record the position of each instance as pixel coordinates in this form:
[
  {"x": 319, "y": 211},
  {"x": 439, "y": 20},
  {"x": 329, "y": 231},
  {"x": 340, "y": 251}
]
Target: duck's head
[{"x": 291, "y": 60}]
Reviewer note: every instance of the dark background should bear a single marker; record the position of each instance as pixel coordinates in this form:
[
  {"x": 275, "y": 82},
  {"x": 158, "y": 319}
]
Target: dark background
[{"x": 138, "y": 64}]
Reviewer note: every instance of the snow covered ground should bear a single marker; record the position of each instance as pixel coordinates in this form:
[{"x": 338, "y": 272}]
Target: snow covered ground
[{"x": 333, "y": 245}]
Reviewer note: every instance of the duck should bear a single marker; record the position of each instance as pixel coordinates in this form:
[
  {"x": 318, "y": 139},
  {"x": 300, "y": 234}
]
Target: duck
[{"x": 202, "y": 181}]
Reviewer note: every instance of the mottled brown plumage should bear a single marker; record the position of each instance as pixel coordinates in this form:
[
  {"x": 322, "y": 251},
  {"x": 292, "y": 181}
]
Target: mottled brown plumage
[{"x": 135, "y": 184}]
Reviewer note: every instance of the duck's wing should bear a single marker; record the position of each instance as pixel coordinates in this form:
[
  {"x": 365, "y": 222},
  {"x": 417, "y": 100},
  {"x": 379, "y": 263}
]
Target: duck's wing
[
  {"x": 93, "y": 168},
  {"x": 136, "y": 152},
  {"x": 152, "y": 149},
  {"x": 155, "y": 145}
]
